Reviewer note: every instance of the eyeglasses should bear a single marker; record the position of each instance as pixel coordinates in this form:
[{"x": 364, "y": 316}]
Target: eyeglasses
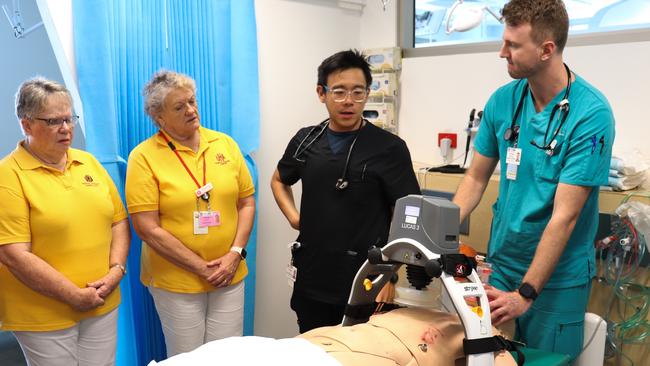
[
  {"x": 358, "y": 95},
  {"x": 58, "y": 122}
]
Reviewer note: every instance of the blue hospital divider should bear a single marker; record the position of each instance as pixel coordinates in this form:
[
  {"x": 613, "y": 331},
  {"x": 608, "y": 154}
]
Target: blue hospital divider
[{"x": 118, "y": 46}]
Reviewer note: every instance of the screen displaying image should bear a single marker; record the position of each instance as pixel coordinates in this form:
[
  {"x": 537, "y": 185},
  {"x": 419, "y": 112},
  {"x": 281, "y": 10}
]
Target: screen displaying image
[{"x": 446, "y": 22}]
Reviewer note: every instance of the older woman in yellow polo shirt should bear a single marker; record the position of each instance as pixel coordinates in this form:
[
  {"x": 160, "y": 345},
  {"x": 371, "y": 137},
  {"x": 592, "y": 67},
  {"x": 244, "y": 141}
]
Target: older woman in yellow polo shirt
[
  {"x": 190, "y": 196},
  {"x": 64, "y": 238}
]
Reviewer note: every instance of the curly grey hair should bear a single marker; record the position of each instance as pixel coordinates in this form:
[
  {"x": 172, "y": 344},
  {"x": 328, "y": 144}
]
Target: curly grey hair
[
  {"x": 156, "y": 90},
  {"x": 33, "y": 93}
]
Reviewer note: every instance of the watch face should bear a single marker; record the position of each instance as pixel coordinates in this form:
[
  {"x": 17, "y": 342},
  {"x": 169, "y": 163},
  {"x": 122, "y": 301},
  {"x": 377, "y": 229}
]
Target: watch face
[
  {"x": 528, "y": 291},
  {"x": 243, "y": 253}
]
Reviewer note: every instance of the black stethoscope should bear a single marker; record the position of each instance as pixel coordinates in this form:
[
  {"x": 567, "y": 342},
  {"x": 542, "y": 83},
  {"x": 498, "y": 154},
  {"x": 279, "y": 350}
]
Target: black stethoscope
[
  {"x": 512, "y": 132},
  {"x": 342, "y": 182}
]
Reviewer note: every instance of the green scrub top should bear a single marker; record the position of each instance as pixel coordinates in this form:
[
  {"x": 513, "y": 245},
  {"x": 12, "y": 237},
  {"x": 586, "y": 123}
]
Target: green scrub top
[{"x": 524, "y": 206}]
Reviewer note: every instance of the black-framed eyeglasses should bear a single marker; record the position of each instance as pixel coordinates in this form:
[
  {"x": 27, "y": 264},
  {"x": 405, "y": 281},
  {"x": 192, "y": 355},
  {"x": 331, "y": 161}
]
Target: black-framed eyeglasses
[
  {"x": 58, "y": 122},
  {"x": 358, "y": 95}
]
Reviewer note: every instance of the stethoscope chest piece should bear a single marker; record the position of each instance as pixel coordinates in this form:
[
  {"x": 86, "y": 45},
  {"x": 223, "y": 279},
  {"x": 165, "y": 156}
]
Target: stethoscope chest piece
[
  {"x": 341, "y": 184},
  {"x": 511, "y": 133}
]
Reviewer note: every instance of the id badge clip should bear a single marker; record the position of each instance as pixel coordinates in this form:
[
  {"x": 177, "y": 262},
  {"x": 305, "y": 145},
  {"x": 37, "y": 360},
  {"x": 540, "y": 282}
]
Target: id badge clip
[
  {"x": 291, "y": 270},
  {"x": 204, "y": 192}
]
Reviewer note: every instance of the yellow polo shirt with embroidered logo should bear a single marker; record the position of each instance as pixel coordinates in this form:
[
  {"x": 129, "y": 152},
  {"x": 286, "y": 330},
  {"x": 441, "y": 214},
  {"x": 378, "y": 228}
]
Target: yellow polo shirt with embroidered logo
[
  {"x": 67, "y": 218},
  {"x": 157, "y": 181}
]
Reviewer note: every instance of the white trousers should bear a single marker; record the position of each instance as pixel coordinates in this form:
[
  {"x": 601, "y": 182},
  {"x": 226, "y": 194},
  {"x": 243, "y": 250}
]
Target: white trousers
[
  {"x": 91, "y": 342},
  {"x": 191, "y": 320}
]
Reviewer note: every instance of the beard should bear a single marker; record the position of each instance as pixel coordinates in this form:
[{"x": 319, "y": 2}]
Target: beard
[{"x": 522, "y": 72}]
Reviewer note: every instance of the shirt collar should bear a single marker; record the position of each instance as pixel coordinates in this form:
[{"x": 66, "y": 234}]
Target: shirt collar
[
  {"x": 206, "y": 137},
  {"x": 27, "y": 161}
]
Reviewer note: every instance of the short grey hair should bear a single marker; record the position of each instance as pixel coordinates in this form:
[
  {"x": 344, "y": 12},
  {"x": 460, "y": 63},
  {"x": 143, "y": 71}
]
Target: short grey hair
[
  {"x": 161, "y": 83},
  {"x": 33, "y": 94}
]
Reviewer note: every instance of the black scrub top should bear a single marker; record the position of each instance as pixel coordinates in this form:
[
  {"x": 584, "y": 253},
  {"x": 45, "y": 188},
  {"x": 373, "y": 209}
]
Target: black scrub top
[{"x": 337, "y": 227}]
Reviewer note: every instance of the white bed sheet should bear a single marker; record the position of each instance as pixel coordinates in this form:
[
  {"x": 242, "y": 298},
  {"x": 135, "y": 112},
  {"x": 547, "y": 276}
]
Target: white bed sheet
[{"x": 253, "y": 351}]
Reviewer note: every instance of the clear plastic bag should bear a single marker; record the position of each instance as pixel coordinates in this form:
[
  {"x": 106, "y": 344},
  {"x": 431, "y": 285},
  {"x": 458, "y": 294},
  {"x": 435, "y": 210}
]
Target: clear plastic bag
[{"x": 639, "y": 215}]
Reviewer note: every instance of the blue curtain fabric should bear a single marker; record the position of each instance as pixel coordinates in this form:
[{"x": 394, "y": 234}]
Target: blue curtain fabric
[{"x": 119, "y": 45}]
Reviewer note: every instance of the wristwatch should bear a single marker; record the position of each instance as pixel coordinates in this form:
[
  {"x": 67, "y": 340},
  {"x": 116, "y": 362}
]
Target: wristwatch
[
  {"x": 239, "y": 250},
  {"x": 119, "y": 266},
  {"x": 527, "y": 291}
]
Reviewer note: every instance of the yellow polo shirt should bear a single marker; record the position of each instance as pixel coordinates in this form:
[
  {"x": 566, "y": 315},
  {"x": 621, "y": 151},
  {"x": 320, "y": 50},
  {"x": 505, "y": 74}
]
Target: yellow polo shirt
[
  {"x": 157, "y": 181},
  {"x": 67, "y": 218}
]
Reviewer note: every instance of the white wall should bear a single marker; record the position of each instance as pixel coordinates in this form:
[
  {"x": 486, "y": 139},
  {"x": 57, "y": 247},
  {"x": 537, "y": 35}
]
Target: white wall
[
  {"x": 438, "y": 92},
  {"x": 293, "y": 38},
  {"x": 61, "y": 14},
  {"x": 622, "y": 73},
  {"x": 378, "y": 26}
]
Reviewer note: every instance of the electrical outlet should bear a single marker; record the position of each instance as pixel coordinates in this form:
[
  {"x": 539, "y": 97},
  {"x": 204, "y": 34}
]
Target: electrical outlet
[{"x": 452, "y": 136}]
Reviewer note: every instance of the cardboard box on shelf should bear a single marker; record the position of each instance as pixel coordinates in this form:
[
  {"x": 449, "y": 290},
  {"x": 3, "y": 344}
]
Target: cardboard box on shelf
[
  {"x": 381, "y": 115},
  {"x": 383, "y": 59},
  {"x": 383, "y": 85}
]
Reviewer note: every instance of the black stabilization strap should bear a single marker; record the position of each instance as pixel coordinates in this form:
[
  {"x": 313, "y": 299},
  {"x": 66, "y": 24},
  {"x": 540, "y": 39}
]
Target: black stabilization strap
[
  {"x": 457, "y": 265},
  {"x": 493, "y": 344},
  {"x": 360, "y": 311}
]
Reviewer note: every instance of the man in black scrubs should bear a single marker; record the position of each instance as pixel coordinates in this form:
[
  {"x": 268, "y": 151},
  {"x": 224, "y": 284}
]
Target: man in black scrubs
[{"x": 352, "y": 172}]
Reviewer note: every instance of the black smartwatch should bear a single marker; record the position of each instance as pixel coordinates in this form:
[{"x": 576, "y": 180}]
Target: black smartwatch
[{"x": 527, "y": 291}]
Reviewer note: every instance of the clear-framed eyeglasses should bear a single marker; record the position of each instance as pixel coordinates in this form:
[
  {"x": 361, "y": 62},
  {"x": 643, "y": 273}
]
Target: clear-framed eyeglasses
[
  {"x": 358, "y": 95},
  {"x": 58, "y": 122}
]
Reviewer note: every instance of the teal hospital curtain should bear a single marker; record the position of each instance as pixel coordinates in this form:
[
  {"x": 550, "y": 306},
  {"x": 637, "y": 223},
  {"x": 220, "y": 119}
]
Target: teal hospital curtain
[{"x": 118, "y": 45}]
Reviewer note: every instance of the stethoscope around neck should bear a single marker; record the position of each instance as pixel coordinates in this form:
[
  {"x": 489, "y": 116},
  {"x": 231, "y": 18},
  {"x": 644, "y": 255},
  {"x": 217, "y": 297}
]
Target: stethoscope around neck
[
  {"x": 512, "y": 133},
  {"x": 342, "y": 182}
]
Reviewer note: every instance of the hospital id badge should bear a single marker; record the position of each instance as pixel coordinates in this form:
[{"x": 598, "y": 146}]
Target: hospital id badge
[
  {"x": 198, "y": 229},
  {"x": 209, "y": 218},
  {"x": 513, "y": 156},
  {"x": 511, "y": 171},
  {"x": 292, "y": 272}
]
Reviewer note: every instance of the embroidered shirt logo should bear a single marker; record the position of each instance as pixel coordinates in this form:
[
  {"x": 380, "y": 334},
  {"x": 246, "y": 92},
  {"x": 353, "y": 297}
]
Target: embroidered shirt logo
[
  {"x": 221, "y": 160},
  {"x": 89, "y": 181}
]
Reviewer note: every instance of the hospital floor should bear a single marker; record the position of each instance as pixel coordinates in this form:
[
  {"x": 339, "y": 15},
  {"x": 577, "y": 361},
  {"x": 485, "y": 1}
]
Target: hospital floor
[{"x": 10, "y": 353}]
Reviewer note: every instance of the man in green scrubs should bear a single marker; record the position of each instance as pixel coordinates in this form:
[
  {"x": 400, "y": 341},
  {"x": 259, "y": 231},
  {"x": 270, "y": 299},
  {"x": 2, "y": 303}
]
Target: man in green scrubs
[{"x": 551, "y": 134}]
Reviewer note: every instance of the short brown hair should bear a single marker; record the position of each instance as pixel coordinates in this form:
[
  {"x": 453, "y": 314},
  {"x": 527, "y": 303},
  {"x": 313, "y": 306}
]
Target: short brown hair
[{"x": 547, "y": 18}]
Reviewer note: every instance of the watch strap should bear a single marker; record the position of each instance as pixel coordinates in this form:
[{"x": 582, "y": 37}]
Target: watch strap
[
  {"x": 239, "y": 250},
  {"x": 527, "y": 291},
  {"x": 119, "y": 266}
]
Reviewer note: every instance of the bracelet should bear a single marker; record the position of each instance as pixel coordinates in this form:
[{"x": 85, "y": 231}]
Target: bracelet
[{"x": 118, "y": 265}]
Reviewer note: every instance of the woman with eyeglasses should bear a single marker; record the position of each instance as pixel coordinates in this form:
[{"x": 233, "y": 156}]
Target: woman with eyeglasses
[
  {"x": 64, "y": 238},
  {"x": 190, "y": 195}
]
